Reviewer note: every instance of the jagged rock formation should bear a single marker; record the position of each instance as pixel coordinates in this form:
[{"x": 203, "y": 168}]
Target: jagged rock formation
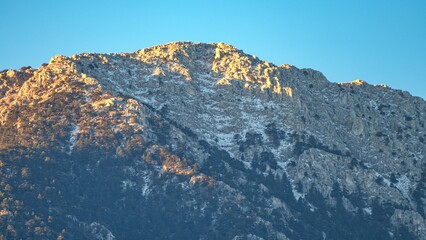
[{"x": 202, "y": 141}]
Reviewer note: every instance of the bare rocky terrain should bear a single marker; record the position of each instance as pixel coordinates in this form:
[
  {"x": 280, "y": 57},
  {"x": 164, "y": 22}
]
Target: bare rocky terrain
[{"x": 203, "y": 141}]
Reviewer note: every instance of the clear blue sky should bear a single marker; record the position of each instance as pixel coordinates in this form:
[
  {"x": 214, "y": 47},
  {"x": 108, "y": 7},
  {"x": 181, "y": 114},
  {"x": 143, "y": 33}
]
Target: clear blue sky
[{"x": 379, "y": 41}]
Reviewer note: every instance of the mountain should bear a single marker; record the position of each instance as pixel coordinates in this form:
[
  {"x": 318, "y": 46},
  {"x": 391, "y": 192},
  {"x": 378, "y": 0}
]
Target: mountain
[{"x": 202, "y": 141}]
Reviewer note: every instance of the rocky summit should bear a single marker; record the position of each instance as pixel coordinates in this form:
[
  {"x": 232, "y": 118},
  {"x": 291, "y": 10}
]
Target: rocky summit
[{"x": 203, "y": 141}]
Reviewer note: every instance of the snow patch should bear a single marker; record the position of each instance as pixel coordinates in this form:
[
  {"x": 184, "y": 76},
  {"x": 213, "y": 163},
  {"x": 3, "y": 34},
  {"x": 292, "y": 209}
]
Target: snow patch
[
  {"x": 386, "y": 181},
  {"x": 225, "y": 139},
  {"x": 403, "y": 185},
  {"x": 126, "y": 184},
  {"x": 282, "y": 165},
  {"x": 372, "y": 104},
  {"x": 100, "y": 232},
  {"x": 418, "y": 156},
  {"x": 312, "y": 208},
  {"x": 146, "y": 184},
  {"x": 73, "y": 137},
  {"x": 277, "y": 203},
  {"x": 247, "y": 164},
  {"x": 297, "y": 195},
  {"x": 367, "y": 210},
  {"x": 284, "y": 147}
]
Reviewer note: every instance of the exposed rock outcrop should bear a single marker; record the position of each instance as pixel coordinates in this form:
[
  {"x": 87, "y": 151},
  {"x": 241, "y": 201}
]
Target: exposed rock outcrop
[{"x": 202, "y": 141}]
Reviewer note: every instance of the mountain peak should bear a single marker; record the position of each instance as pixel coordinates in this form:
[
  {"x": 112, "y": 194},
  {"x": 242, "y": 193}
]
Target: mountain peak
[{"x": 203, "y": 141}]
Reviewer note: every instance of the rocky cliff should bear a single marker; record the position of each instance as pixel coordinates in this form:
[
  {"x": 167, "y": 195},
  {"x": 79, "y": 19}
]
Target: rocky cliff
[{"x": 202, "y": 141}]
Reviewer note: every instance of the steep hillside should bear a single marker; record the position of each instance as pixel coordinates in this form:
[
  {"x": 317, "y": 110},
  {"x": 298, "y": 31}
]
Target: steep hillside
[{"x": 202, "y": 141}]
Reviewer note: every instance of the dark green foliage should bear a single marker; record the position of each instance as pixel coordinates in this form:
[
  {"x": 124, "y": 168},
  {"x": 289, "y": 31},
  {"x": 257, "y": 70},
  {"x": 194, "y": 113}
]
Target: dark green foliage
[
  {"x": 408, "y": 118},
  {"x": 393, "y": 178},
  {"x": 312, "y": 142},
  {"x": 252, "y": 139},
  {"x": 275, "y": 135},
  {"x": 419, "y": 194}
]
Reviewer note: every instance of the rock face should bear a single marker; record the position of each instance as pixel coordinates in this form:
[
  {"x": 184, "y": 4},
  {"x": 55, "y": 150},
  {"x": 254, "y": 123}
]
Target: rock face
[{"x": 202, "y": 141}]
